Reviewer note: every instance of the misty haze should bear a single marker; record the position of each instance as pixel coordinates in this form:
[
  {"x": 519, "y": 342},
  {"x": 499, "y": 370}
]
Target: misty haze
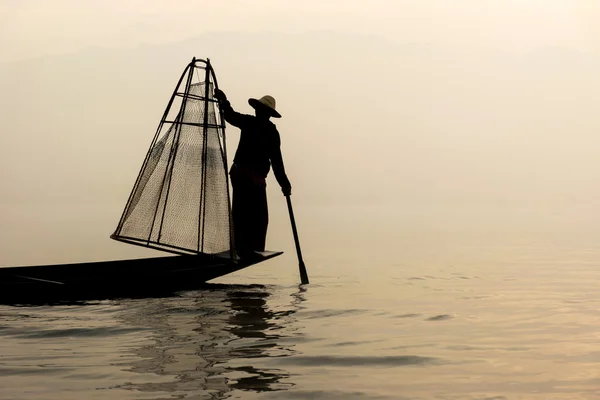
[
  {"x": 426, "y": 131},
  {"x": 446, "y": 196}
]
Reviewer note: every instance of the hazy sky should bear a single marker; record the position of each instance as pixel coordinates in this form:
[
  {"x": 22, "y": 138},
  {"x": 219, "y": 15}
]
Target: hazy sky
[
  {"x": 34, "y": 27},
  {"x": 485, "y": 119}
]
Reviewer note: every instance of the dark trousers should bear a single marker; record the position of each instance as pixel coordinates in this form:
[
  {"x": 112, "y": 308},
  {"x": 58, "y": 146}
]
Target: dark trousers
[{"x": 250, "y": 214}]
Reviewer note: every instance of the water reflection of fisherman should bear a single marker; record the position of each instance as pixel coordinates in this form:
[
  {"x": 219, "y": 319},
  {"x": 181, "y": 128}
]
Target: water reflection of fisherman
[
  {"x": 225, "y": 324},
  {"x": 252, "y": 320}
]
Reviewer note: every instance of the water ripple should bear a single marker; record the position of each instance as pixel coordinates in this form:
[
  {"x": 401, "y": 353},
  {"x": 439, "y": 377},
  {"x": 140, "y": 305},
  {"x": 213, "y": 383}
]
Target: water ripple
[
  {"x": 407, "y": 316},
  {"x": 77, "y": 332},
  {"x": 328, "y": 313},
  {"x": 352, "y": 361},
  {"x": 338, "y": 395},
  {"x": 441, "y": 317}
]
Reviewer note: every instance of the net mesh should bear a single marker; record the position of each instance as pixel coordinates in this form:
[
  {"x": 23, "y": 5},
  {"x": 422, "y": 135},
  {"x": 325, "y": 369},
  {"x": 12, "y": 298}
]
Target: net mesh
[{"x": 181, "y": 200}]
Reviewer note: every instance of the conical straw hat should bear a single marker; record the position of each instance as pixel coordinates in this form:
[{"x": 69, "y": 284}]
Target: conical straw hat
[{"x": 265, "y": 102}]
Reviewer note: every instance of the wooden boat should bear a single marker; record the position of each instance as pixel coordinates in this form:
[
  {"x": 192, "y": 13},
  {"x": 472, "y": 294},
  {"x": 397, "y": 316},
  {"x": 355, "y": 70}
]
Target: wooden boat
[
  {"x": 113, "y": 279},
  {"x": 180, "y": 204}
]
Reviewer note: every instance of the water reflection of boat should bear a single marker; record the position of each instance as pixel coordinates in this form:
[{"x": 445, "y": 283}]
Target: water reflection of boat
[{"x": 210, "y": 345}]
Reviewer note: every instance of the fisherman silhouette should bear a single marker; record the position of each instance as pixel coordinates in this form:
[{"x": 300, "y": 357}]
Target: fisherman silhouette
[{"x": 259, "y": 148}]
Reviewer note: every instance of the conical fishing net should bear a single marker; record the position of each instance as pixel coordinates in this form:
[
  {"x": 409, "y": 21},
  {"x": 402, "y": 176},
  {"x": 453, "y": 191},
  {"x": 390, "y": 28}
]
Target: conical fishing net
[{"x": 180, "y": 201}]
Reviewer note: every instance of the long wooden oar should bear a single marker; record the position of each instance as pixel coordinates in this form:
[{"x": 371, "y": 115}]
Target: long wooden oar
[{"x": 303, "y": 274}]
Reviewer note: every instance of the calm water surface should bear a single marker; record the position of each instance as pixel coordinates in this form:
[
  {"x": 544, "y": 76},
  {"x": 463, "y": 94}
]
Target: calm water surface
[{"x": 434, "y": 313}]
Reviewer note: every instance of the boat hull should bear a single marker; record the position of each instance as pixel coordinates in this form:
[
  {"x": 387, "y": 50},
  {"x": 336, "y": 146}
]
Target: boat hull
[{"x": 117, "y": 279}]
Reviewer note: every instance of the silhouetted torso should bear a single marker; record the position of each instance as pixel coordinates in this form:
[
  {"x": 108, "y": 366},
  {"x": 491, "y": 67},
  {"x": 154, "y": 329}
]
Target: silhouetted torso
[{"x": 259, "y": 146}]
